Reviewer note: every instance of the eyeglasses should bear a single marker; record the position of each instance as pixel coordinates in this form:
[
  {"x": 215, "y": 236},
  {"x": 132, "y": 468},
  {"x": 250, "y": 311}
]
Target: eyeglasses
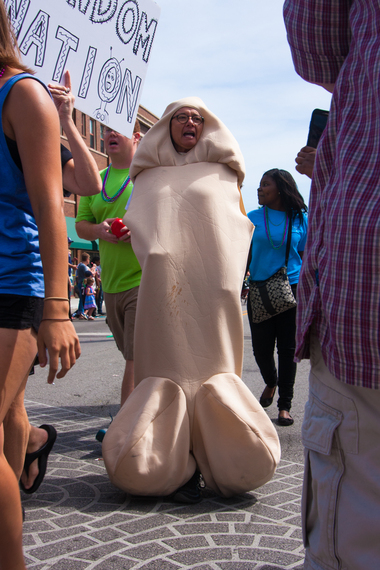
[{"x": 182, "y": 118}]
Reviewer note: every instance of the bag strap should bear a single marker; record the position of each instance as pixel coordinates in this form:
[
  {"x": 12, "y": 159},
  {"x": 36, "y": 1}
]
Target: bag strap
[{"x": 288, "y": 242}]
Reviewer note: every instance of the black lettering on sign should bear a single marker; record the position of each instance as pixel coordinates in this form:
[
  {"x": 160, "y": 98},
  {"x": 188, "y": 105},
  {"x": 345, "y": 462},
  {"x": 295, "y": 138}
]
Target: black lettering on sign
[
  {"x": 129, "y": 93},
  {"x": 37, "y": 35},
  {"x": 69, "y": 41},
  {"x": 87, "y": 72},
  {"x": 145, "y": 40},
  {"x": 102, "y": 14},
  {"x": 127, "y": 21},
  {"x": 17, "y": 15}
]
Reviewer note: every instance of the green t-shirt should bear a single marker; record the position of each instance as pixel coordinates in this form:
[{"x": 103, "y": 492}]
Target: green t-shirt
[{"x": 120, "y": 269}]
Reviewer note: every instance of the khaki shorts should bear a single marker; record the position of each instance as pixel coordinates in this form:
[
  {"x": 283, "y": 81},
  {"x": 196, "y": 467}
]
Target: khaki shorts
[
  {"x": 121, "y": 312},
  {"x": 341, "y": 493}
]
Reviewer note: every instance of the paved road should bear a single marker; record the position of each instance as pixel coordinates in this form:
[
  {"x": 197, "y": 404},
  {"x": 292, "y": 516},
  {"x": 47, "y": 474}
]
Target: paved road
[{"x": 79, "y": 521}]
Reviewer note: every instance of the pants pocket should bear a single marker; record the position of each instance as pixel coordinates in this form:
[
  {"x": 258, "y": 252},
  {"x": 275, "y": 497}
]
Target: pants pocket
[{"x": 324, "y": 469}]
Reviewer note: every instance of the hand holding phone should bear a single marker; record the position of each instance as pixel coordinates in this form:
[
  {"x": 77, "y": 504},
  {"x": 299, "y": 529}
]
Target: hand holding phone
[
  {"x": 317, "y": 124},
  {"x": 305, "y": 160}
]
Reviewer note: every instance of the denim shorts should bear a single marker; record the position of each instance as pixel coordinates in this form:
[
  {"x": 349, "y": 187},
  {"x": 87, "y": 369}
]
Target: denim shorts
[{"x": 20, "y": 312}]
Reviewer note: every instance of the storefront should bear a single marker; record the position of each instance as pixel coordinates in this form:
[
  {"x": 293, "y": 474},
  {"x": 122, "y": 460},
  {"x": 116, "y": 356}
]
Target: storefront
[{"x": 78, "y": 243}]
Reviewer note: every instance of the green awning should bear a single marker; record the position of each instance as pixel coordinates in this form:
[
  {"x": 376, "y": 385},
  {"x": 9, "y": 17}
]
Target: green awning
[{"x": 77, "y": 242}]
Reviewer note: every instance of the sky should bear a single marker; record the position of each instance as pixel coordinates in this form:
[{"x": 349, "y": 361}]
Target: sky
[{"x": 235, "y": 57}]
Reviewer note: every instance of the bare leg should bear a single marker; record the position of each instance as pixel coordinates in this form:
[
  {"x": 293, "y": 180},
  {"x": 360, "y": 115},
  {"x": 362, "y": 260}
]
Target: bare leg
[
  {"x": 16, "y": 433},
  {"x": 11, "y": 556},
  {"x": 20, "y": 435},
  {"x": 128, "y": 381},
  {"x": 17, "y": 351}
]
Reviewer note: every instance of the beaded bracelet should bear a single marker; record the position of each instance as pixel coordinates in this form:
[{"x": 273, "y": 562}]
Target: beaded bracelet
[
  {"x": 59, "y": 320},
  {"x": 56, "y": 299}
]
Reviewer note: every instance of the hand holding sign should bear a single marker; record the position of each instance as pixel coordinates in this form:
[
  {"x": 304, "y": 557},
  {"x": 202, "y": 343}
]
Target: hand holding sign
[{"x": 63, "y": 98}]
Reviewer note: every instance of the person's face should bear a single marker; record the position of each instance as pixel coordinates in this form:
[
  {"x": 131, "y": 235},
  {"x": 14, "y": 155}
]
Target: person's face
[
  {"x": 119, "y": 145},
  {"x": 268, "y": 194},
  {"x": 185, "y": 135}
]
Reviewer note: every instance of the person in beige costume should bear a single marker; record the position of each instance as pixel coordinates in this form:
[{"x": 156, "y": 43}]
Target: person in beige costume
[{"x": 190, "y": 412}]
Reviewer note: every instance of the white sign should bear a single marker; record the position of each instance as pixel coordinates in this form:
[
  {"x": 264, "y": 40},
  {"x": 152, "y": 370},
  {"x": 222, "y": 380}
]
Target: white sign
[{"x": 105, "y": 44}]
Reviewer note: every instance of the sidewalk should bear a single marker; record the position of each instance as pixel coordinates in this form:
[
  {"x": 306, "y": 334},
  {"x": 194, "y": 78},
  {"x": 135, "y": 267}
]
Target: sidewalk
[{"x": 78, "y": 521}]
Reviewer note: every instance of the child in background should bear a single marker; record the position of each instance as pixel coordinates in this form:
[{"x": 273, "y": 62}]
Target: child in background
[{"x": 89, "y": 300}]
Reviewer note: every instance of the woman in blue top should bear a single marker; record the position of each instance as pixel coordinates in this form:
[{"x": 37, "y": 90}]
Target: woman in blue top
[
  {"x": 280, "y": 199},
  {"x": 33, "y": 265}
]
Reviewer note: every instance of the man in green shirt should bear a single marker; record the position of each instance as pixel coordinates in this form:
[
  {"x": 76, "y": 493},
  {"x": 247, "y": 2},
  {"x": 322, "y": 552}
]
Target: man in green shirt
[{"x": 121, "y": 272}]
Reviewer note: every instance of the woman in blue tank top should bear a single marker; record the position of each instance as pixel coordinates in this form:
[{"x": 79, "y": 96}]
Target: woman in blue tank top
[{"x": 33, "y": 264}]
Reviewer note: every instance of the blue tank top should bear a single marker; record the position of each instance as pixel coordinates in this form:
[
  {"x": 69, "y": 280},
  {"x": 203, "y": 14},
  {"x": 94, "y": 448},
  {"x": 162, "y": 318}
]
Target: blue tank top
[{"x": 20, "y": 261}]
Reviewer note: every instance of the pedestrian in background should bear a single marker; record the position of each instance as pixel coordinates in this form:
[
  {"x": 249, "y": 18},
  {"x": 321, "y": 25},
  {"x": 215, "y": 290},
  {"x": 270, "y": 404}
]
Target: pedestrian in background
[
  {"x": 99, "y": 289},
  {"x": 83, "y": 271},
  {"x": 283, "y": 210},
  {"x": 89, "y": 298}
]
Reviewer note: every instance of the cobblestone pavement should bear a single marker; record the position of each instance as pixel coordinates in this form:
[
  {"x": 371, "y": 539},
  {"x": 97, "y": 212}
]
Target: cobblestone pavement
[{"x": 79, "y": 521}]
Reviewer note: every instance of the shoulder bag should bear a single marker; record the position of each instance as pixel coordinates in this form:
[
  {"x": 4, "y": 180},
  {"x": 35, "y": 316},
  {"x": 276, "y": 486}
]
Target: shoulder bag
[{"x": 274, "y": 295}]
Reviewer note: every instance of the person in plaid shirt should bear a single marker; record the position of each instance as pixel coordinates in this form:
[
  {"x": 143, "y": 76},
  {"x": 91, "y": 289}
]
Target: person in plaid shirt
[{"x": 336, "y": 44}]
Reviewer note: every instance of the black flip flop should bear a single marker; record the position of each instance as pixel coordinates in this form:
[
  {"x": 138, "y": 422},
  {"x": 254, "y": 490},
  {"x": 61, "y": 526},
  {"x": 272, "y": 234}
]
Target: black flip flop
[{"x": 42, "y": 455}]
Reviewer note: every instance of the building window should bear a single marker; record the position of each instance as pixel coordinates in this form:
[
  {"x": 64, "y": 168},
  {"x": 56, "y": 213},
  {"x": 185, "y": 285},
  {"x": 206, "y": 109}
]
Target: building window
[
  {"x": 83, "y": 125},
  {"x": 92, "y": 134},
  {"x": 75, "y": 116},
  {"x": 102, "y": 138}
]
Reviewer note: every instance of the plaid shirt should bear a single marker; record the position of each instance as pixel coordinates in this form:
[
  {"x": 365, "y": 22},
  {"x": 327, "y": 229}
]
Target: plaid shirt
[{"x": 338, "y": 41}]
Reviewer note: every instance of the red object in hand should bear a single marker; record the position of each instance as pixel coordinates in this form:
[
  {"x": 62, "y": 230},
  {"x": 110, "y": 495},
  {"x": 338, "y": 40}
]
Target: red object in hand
[{"x": 116, "y": 227}]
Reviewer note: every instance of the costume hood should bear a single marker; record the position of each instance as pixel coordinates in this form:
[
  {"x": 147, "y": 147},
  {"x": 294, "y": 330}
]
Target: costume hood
[{"x": 216, "y": 143}]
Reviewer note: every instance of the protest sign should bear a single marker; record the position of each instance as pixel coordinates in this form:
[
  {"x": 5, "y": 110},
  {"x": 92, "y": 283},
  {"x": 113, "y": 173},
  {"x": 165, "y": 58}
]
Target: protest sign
[{"x": 105, "y": 44}]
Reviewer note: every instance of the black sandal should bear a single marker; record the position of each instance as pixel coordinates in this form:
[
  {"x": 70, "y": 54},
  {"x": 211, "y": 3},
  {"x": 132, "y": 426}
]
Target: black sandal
[{"x": 42, "y": 455}]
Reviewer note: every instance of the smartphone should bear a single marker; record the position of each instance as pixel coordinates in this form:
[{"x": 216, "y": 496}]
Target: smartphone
[{"x": 317, "y": 124}]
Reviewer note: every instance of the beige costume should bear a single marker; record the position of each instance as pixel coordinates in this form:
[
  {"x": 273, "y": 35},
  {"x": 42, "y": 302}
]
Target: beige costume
[{"x": 189, "y": 408}]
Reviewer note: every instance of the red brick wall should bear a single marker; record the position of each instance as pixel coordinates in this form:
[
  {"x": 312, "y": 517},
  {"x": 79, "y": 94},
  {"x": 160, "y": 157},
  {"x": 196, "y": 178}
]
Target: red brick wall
[{"x": 82, "y": 121}]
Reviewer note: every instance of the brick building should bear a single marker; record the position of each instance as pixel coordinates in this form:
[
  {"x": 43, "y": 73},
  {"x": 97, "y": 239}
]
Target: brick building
[{"x": 92, "y": 132}]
